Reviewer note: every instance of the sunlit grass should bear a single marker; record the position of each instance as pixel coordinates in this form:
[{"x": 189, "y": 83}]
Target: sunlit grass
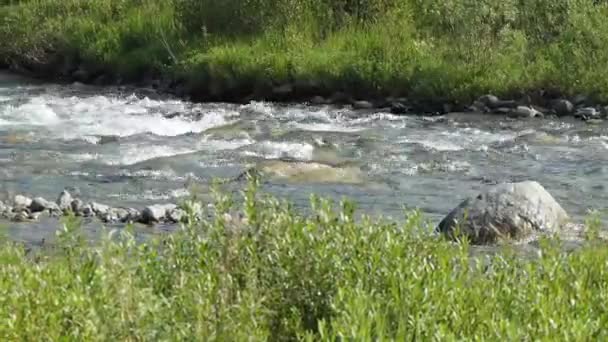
[{"x": 453, "y": 50}]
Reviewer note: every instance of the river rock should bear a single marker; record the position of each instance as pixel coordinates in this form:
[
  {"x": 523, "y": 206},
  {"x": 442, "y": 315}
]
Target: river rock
[
  {"x": 22, "y": 202},
  {"x": 525, "y": 112},
  {"x": 156, "y": 213},
  {"x": 86, "y": 210},
  {"x": 562, "y": 107},
  {"x": 587, "y": 113},
  {"x": 514, "y": 211},
  {"x": 115, "y": 215},
  {"x": 40, "y": 204},
  {"x": 489, "y": 100},
  {"x": 77, "y": 205},
  {"x": 399, "y": 107},
  {"x": 362, "y": 105},
  {"x": 176, "y": 215},
  {"x": 133, "y": 216},
  {"x": 318, "y": 100},
  {"x": 99, "y": 209},
  {"x": 64, "y": 201},
  {"x": 20, "y": 216}
]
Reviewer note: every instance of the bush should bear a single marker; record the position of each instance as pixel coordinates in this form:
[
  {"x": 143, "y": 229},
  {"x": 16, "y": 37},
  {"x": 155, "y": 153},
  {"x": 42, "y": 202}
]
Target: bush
[{"x": 279, "y": 275}]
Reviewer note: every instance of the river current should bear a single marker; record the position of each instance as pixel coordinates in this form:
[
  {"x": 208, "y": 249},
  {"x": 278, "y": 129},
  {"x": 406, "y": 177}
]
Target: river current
[{"x": 130, "y": 147}]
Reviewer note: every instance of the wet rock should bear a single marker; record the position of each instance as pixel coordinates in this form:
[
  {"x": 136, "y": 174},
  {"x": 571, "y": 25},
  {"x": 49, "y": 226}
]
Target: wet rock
[
  {"x": 400, "y": 108},
  {"x": 362, "y": 105},
  {"x": 22, "y": 202},
  {"x": 604, "y": 111},
  {"x": 35, "y": 216},
  {"x": 318, "y": 100},
  {"x": 502, "y": 110},
  {"x": 133, "y": 216},
  {"x": 511, "y": 211},
  {"x": 562, "y": 107},
  {"x": 156, "y": 213},
  {"x": 77, "y": 205},
  {"x": 40, "y": 204},
  {"x": 113, "y": 215},
  {"x": 587, "y": 113},
  {"x": 478, "y": 107},
  {"x": 86, "y": 210},
  {"x": 176, "y": 215},
  {"x": 490, "y": 101},
  {"x": 525, "y": 112},
  {"x": 99, "y": 209},
  {"x": 314, "y": 172},
  {"x": 20, "y": 216},
  {"x": 64, "y": 201}
]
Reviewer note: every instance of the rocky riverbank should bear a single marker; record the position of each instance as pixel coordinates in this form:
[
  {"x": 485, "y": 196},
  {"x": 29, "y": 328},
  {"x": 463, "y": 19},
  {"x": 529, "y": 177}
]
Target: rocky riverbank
[{"x": 26, "y": 209}]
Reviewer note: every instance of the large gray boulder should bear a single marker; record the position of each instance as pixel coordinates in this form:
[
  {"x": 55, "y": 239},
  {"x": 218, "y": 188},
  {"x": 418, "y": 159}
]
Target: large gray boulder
[
  {"x": 509, "y": 211},
  {"x": 156, "y": 213}
]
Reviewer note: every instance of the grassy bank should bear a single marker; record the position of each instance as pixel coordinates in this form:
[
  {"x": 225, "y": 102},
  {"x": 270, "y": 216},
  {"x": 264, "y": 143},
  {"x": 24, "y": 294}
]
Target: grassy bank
[
  {"x": 433, "y": 49},
  {"x": 277, "y": 275}
]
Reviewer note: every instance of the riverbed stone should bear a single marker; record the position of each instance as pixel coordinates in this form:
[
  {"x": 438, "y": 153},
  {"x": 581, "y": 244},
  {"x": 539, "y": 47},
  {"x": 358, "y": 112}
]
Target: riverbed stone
[
  {"x": 489, "y": 100},
  {"x": 587, "y": 113},
  {"x": 562, "y": 107},
  {"x": 362, "y": 105},
  {"x": 77, "y": 205},
  {"x": 508, "y": 211},
  {"x": 20, "y": 216},
  {"x": 156, "y": 213},
  {"x": 22, "y": 202},
  {"x": 134, "y": 215},
  {"x": 40, "y": 204},
  {"x": 176, "y": 215},
  {"x": 86, "y": 210},
  {"x": 525, "y": 112},
  {"x": 113, "y": 215},
  {"x": 318, "y": 100},
  {"x": 64, "y": 201},
  {"x": 99, "y": 209}
]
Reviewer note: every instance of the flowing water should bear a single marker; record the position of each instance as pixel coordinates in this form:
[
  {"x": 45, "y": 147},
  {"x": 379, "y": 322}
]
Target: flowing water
[{"x": 121, "y": 147}]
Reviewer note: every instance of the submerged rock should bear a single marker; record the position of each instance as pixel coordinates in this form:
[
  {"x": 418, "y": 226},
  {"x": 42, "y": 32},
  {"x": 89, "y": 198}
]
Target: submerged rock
[
  {"x": 156, "y": 213},
  {"x": 297, "y": 171},
  {"x": 511, "y": 211}
]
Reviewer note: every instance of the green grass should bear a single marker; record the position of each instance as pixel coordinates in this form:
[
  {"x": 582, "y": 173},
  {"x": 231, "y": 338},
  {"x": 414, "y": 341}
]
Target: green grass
[
  {"x": 278, "y": 275},
  {"x": 453, "y": 50}
]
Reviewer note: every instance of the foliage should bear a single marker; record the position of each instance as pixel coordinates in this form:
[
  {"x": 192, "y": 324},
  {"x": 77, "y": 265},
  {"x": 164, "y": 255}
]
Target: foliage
[
  {"x": 278, "y": 275},
  {"x": 453, "y": 50}
]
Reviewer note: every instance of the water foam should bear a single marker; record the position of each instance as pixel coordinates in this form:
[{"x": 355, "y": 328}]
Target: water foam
[{"x": 73, "y": 118}]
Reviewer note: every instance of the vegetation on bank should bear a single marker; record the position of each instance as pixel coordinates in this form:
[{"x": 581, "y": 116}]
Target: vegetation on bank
[
  {"x": 427, "y": 49},
  {"x": 278, "y": 275}
]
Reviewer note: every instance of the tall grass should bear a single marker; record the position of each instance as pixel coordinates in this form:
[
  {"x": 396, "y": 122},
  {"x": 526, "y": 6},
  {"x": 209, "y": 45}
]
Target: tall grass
[
  {"x": 453, "y": 49},
  {"x": 278, "y": 275}
]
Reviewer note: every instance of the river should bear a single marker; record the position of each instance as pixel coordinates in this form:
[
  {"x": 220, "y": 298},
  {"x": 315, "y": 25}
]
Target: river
[{"x": 129, "y": 147}]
